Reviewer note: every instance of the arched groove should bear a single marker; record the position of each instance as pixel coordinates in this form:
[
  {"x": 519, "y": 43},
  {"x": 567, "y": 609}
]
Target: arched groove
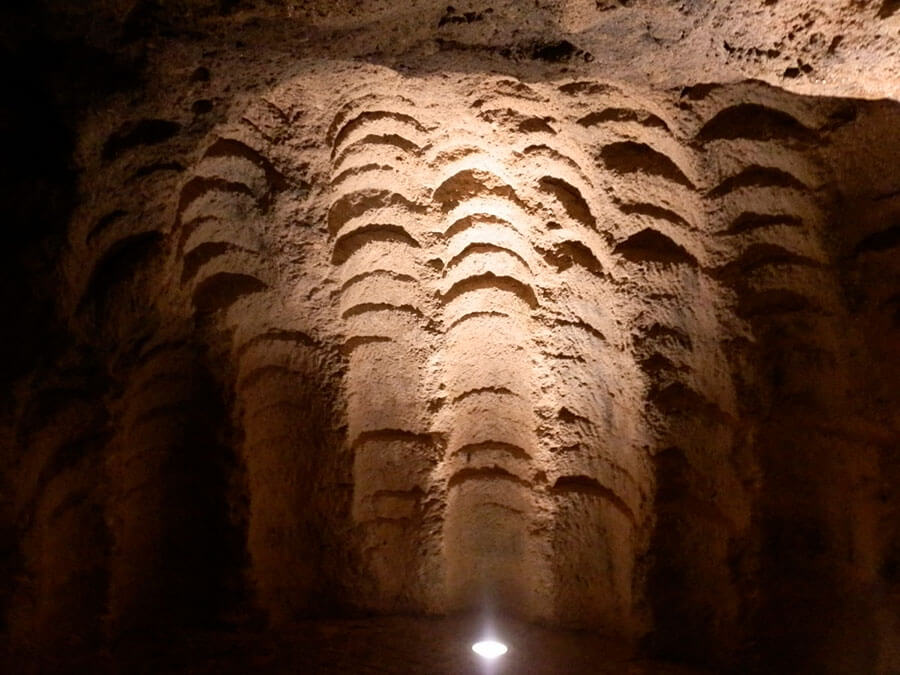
[
  {"x": 223, "y": 289},
  {"x": 397, "y": 180},
  {"x": 370, "y": 116},
  {"x": 362, "y": 276},
  {"x": 198, "y": 256},
  {"x": 358, "y": 202},
  {"x": 469, "y": 183},
  {"x": 466, "y": 222},
  {"x": 135, "y": 134},
  {"x": 368, "y": 102},
  {"x": 651, "y": 245},
  {"x": 522, "y": 122},
  {"x": 879, "y": 241},
  {"x": 188, "y": 228},
  {"x": 199, "y": 185},
  {"x": 380, "y": 289},
  {"x": 633, "y": 157},
  {"x": 238, "y": 230},
  {"x": 748, "y": 221},
  {"x": 501, "y": 391},
  {"x": 366, "y": 307},
  {"x": 69, "y": 456},
  {"x": 104, "y": 223},
  {"x": 591, "y": 487},
  {"x": 570, "y": 197},
  {"x": 377, "y": 149},
  {"x": 654, "y": 211},
  {"x": 488, "y": 280},
  {"x": 74, "y": 501},
  {"x": 488, "y": 473},
  {"x": 119, "y": 263},
  {"x": 394, "y": 436},
  {"x": 445, "y": 156},
  {"x": 155, "y": 167},
  {"x": 476, "y": 315},
  {"x": 759, "y": 255},
  {"x": 388, "y": 323},
  {"x": 230, "y": 147},
  {"x": 489, "y": 246},
  {"x": 510, "y": 449},
  {"x": 551, "y": 153},
  {"x": 564, "y": 254},
  {"x": 757, "y": 176},
  {"x": 756, "y": 122},
  {"x": 472, "y": 177},
  {"x": 354, "y": 171},
  {"x": 347, "y": 244},
  {"x": 641, "y": 117},
  {"x": 293, "y": 336},
  {"x": 481, "y": 247},
  {"x": 394, "y": 141},
  {"x": 352, "y": 343}
]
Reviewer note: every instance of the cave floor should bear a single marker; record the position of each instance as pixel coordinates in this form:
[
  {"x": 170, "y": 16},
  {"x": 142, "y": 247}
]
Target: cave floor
[{"x": 367, "y": 645}]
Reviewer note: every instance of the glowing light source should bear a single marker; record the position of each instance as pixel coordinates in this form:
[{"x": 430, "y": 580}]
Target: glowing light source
[{"x": 490, "y": 649}]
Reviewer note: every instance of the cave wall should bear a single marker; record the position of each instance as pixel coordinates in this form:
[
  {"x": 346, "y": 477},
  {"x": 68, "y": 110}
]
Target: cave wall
[{"x": 481, "y": 328}]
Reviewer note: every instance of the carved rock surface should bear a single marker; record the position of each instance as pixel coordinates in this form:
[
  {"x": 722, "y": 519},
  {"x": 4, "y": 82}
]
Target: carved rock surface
[{"x": 435, "y": 316}]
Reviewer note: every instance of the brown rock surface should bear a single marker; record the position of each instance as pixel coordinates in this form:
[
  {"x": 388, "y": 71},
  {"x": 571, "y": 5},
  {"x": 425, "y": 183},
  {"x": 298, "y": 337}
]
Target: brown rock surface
[{"x": 578, "y": 314}]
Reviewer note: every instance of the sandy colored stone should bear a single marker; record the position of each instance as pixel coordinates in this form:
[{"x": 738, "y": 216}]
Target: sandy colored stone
[{"x": 585, "y": 312}]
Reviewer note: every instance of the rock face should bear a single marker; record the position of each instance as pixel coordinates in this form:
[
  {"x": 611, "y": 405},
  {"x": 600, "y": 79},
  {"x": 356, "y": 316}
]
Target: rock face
[{"x": 455, "y": 309}]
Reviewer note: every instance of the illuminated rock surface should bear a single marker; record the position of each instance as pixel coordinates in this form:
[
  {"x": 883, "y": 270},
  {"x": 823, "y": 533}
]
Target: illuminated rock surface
[{"x": 583, "y": 314}]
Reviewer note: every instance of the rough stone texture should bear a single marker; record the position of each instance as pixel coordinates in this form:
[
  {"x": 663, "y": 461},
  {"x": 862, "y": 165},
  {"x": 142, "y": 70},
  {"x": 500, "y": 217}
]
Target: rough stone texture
[{"x": 585, "y": 314}]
